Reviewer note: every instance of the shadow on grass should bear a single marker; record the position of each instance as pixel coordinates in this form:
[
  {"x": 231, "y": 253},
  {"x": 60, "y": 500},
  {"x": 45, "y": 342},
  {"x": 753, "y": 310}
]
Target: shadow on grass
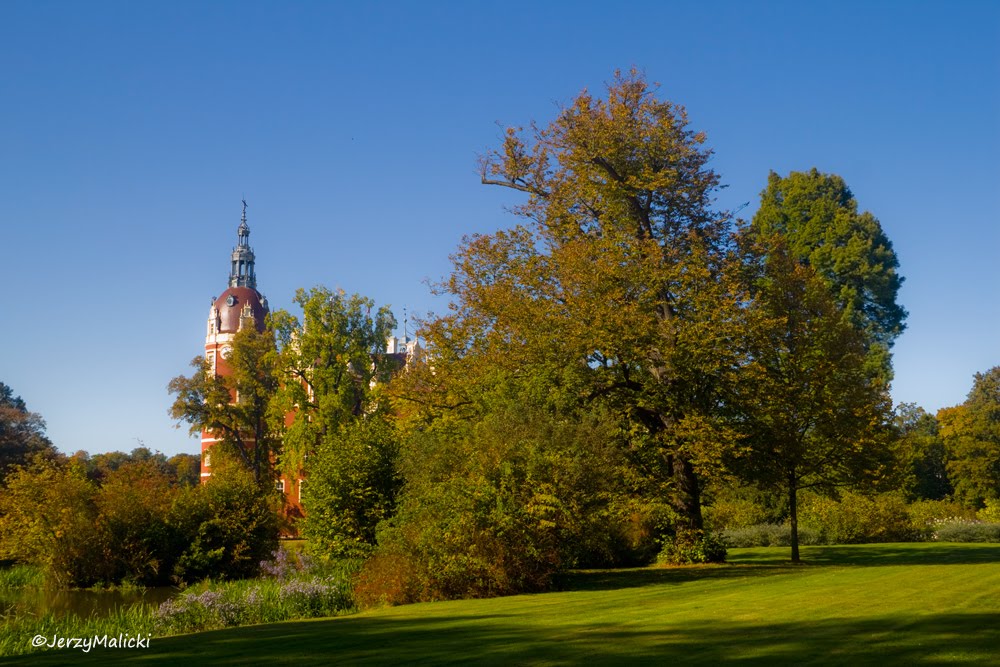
[
  {"x": 767, "y": 562},
  {"x": 909, "y": 639},
  {"x": 606, "y": 580},
  {"x": 936, "y": 553}
]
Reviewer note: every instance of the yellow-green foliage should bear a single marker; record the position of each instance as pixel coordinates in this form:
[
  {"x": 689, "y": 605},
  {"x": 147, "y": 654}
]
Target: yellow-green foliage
[
  {"x": 925, "y": 514},
  {"x": 990, "y": 513},
  {"x": 857, "y": 518}
]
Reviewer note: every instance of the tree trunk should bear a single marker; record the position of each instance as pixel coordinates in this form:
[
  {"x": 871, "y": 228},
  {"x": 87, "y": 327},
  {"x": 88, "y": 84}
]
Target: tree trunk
[
  {"x": 686, "y": 498},
  {"x": 793, "y": 513}
]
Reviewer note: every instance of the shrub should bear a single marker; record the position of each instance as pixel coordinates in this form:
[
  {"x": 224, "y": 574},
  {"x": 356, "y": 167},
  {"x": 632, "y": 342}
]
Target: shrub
[
  {"x": 352, "y": 486},
  {"x": 227, "y": 527},
  {"x": 47, "y": 518},
  {"x": 389, "y": 579},
  {"x": 471, "y": 538},
  {"x": 966, "y": 531},
  {"x": 133, "y": 505},
  {"x": 768, "y": 535},
  {"x": 499, "y": 505},
  {"x": 926, "y": 515},
  {"x": 254, "y": 601},
  {"x": 692, "y": 547},
  {"x": 857, "y": 518},
  {"x": 742, "y": 507}
]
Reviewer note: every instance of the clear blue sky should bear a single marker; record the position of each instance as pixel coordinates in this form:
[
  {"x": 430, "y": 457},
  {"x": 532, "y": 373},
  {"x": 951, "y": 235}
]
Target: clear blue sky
[{"x": 129, "y": 132}]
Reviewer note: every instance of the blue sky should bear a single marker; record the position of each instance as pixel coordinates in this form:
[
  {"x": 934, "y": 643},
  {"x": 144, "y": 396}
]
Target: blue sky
[{"x": 130, "y": 131}]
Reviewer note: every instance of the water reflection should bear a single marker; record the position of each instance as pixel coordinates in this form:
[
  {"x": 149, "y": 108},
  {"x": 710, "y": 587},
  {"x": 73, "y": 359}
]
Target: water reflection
[{"x": 83, "y": 603}]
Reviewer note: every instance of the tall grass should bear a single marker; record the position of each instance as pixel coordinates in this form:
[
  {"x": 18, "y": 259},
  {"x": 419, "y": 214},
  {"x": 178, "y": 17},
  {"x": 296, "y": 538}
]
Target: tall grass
[{"x": 21, "y": 576}]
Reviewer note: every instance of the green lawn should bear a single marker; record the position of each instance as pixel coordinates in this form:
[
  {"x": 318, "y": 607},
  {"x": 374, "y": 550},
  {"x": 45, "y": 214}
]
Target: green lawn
[{"x": 905, "y": 604}]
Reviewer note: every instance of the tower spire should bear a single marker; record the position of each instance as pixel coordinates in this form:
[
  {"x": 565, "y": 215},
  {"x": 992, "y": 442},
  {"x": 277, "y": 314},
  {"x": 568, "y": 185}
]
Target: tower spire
[{"x": 242, "y": 273}]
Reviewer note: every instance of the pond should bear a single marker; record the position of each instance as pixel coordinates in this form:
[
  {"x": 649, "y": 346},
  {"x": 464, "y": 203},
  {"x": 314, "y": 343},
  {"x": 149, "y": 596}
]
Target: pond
[{"x": 30, "y": 601}]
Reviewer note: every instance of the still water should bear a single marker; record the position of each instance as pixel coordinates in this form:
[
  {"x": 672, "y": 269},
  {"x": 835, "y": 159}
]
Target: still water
[{"x": 33, "y": 602}]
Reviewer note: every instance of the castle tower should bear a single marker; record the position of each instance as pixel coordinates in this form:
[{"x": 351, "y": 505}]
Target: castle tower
[{"x": 241, "y": 305}]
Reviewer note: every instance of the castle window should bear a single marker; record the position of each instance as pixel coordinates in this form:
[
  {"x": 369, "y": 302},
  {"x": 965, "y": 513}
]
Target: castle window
[
  {"x": 280, "y": 485},
  {"x": 301, "y": 482}
]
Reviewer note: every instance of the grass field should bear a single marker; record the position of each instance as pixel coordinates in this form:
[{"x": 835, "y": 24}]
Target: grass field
[{"x": 894, "y": 604}]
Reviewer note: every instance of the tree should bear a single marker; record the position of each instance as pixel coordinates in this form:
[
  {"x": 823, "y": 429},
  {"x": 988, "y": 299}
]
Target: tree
[
  {"x": 814, "y": 416},
  {"x": 921, "y": 453},
  {"x": 100, "y": 466},
  {"x": 330, "y": 364},
  {"x": 334, "y": 365},
  {"x": 818, "y": 216},
  {"x": 971, "y": 434},
  {"x": 615, "y": 282},
  {"x": 236, "y": 407},
  {"x": 352, "y": 487},
  {"x": 22, "y": 433},
  {"x": 48, "y": 517},
  {"x": 187, "y": 469}
]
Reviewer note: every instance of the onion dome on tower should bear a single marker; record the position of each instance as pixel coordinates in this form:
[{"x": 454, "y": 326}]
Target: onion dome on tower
[{"x": 241, "y": 304}]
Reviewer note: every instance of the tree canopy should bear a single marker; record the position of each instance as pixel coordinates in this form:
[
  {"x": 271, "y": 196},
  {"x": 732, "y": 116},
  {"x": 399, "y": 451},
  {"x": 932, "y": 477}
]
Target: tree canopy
[
  {"x": 22, "y": 433},
  {"x": 971, "y": 434},
  {"x": 333, "y": 364},
  {"x": 818, "y": 217},
  {"x": 614, "y": 276},
  {"x": 236, "y": 406}
]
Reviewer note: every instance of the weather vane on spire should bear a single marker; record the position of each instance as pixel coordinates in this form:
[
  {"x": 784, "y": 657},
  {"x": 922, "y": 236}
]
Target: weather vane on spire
[{"x": 244, "y": 210}]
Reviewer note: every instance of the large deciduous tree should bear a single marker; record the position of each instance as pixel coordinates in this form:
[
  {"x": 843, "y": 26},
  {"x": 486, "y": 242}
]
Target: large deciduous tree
[
  {"x": 614, "y": 281},
  {"x": 818, "y": 217},
  {"x": 334, "y": 365},
  {"x": 814, "y": 416}
]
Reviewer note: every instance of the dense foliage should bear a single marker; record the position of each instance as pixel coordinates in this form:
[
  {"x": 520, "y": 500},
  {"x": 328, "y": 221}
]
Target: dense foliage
[
  {"x": 817, "y": 216},
  {"x": 136, "y": 526},
  {"x": 335, "y": 419},
  {"x": 623, "y": 376}
]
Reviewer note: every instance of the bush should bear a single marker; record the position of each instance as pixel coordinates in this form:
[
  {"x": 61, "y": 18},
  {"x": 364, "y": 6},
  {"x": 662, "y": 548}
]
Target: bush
[
  {"x": 226, "y": 528},
  {"x": 692, "y": 547},
  {"x": 768, "y": 535},
  {"x": 966, "y": 531},
  {"x": 133, "y": 505},
  {"x": 930, "y": 512},
  {"x": 856, "y": 518},
  {"x": 742, "y": 507},
  {"x": 470, "y": 539},
  {"x": 352, "y": 486},
  {"x": 47, "y": 518},
  {"x": 498, "y": 506}
]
